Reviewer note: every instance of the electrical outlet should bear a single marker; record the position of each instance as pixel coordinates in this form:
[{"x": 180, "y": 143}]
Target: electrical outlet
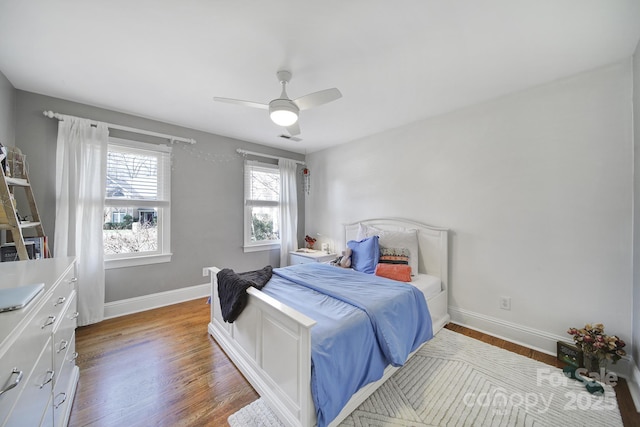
[
  {"x": 505, "y": 303},
  {"x": 205, "y": 271}
]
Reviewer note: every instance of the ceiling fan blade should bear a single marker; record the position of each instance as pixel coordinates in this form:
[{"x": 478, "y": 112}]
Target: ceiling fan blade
[
  {"x": 294, "y": 129},
  {"x": 317, "y": 98},
  {"x": 240, "y": 102}
]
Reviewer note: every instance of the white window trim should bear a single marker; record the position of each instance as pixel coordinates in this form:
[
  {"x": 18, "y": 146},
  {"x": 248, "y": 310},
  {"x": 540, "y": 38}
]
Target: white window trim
[
  {"x": 249, "y": 246},
  {"x": 136, "y": 260},
  {"x": 164, "y": 253},
  {"x": 257, "y": 247}
]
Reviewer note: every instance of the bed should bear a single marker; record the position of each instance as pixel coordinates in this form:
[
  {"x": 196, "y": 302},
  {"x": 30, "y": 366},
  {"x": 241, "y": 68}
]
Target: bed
[{"x": 270, "y": 342}]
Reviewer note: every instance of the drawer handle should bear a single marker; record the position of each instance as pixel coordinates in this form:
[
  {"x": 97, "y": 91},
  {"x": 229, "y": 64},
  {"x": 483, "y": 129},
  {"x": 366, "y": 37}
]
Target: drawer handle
[
  {"x": 63, "y": 345},
  {"x": 73, "y": 280},
  {"x": 75, "y": 315},
  {"x": 51, "y": 374},
  {"x": 50, "y": 321},
  {"x": 64, "y": 399},
  {"x": 61, "y": 300},
  {"x": 9, "y": 385},
  {"x": 74, "y": 356}
]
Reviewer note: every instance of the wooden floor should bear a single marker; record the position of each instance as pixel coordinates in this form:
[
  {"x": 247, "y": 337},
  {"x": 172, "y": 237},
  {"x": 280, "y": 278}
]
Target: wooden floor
[
  {"x": 156, "y": 368},
  {"x": 162, "y": 368}
]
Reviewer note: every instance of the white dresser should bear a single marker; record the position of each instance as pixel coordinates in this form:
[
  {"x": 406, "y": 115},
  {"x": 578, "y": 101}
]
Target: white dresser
[{"x": 38, "y": 373}]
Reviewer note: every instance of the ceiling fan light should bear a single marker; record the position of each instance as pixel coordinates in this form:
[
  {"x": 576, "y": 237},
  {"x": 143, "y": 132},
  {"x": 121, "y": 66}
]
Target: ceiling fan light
[
  {"x": 284, "y": 117},
  {"x": 283, "y": 113}
]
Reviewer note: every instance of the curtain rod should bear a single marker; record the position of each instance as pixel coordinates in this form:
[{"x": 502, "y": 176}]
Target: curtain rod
[
  {"x": 171, "y": 138},
  {"x": 268, "y": 156}
]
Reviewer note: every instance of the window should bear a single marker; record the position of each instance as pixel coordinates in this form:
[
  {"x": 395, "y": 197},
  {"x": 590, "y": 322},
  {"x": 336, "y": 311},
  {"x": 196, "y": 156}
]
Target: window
[
  {"x": 261, "y": 206},
  {"x": 137, "y": 206},
  {"x": 117, "y": 216}
]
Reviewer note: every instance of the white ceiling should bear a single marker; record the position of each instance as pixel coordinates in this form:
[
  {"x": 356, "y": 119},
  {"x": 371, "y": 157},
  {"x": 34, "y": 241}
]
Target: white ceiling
[{"x": 394, "y": 62}]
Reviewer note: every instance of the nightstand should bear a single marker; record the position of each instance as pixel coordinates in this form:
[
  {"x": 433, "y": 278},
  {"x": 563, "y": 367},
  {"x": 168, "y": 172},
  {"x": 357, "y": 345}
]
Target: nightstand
[{"x": 308, "y": 255}]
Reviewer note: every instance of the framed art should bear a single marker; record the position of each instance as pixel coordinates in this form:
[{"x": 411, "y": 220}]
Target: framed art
[{"x": 570, "y": 354}]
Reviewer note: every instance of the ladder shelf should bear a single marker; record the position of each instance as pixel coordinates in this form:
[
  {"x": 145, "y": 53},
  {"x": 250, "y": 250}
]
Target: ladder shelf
[{"x": 9, "y": 218}]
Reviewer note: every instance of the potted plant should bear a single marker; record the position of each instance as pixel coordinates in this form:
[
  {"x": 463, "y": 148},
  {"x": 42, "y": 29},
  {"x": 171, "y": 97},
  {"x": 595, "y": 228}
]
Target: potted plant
[
  {"x": 597, "y": 347},
  {"x": 310, "y": 241}
]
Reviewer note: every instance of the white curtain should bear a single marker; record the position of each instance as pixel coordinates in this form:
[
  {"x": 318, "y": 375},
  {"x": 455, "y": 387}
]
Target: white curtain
[
  {"x": 288, "y": 209},
  {"x": 80, "y": 188}
]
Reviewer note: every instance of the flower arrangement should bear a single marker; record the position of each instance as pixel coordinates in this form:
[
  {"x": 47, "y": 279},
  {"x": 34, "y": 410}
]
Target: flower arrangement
[
  {"x": 592, "y": 340},
  {"x": 310, "y": 241}
]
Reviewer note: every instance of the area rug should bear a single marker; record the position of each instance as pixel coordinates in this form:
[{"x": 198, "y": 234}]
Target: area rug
[{"x": 455, "y": 380}]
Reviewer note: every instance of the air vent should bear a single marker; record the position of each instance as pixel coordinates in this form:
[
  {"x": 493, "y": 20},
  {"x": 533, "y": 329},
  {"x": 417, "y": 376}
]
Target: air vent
[{"x": 293, "y": 138}]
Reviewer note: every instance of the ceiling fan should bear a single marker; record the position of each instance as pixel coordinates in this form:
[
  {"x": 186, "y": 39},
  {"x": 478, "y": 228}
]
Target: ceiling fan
[{"x": 285, "y": 111}]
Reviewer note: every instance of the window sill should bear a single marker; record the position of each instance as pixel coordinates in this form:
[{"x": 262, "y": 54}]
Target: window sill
[
  {"x": 136, "y": 260},
  {"x": 258, "y": 248}
]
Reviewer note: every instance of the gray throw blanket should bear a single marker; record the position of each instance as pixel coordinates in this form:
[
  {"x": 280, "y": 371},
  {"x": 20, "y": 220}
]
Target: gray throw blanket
[{"x": 232, "y": 289}]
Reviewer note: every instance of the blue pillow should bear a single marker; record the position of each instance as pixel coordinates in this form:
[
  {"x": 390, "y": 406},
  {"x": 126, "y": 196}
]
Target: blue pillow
[{"x": 365, "y": 254}]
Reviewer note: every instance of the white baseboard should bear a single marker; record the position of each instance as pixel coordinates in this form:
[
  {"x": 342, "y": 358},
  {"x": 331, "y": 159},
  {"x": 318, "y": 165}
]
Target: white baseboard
[
  {"x": 634, "y": 385},
  {"x": 535, "y": 339},
  {"x": 160, "y": 299}
]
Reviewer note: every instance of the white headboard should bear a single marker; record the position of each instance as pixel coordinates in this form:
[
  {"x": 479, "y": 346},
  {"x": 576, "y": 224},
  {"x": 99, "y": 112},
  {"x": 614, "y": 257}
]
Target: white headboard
[{"x": 433, "y": 243}]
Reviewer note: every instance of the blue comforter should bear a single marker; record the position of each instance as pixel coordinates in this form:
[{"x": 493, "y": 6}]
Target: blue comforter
[{"x": 364, "y": 323}]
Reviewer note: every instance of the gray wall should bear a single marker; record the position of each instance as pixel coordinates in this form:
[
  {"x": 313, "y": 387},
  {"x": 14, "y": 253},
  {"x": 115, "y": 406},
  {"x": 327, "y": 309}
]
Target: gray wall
[
  {"x": 207, "y": 196},
  {"x": 636, "y": 231},
  {"x": 536, "y": 187},
  {"x": 7, "y": 112}
]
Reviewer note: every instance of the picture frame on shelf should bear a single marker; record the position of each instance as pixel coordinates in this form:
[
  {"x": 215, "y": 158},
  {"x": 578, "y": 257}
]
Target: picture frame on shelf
[{"x": 570, "y": 354}]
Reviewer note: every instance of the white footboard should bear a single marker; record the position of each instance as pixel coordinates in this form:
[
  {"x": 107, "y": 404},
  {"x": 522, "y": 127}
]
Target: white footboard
[{"x": 270, "y": 343}]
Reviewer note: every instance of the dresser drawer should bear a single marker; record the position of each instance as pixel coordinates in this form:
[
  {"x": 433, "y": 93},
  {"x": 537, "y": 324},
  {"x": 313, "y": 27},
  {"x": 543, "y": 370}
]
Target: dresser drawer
[
  {"x": 63, "y": 336},
  {"x": 65, "y": 287},
  {"x": 64, "y": 356},
  {"x": 51, "y": 313},
  {"x": 23, "y": 353},
  {"x": 16, "y": 366},
  {"x": 63, "y": 389},
  {"x": 47, "y": 418},
  {"x": 15, "y": 377},
  {"x": 297, "y": 259},
  {"x": 68, "y": 362},
  {"x": 307, "y": 257},
  {"x": 32, "y": 403},
  {"x": 62, "y": 295}
]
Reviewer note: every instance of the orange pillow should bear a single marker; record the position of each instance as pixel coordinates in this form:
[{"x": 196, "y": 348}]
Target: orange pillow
[{"x": 399, "y": 272}]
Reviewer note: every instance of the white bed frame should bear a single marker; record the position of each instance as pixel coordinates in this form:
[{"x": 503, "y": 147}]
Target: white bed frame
[{"x": 270, "y": 343}]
